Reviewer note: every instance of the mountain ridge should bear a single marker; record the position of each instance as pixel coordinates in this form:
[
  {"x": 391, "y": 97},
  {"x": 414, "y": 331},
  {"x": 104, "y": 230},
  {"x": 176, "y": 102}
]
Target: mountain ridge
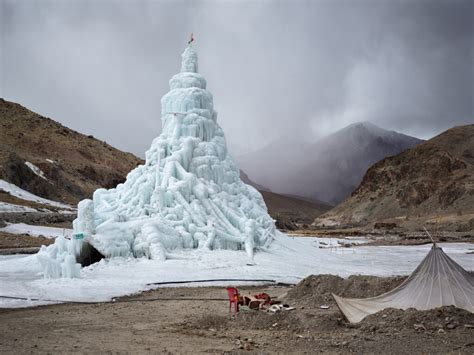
[
  {"x": 430, "y": 183},
  {"x": 330, "y": 168}
]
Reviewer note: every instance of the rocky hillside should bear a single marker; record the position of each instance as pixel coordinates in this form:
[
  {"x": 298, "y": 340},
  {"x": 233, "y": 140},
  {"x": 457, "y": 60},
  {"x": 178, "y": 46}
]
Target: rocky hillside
[
  {"x": 328, "y": 169},
  {"x": 47, "y": 159},
  {"x": 432, "y": 183}
]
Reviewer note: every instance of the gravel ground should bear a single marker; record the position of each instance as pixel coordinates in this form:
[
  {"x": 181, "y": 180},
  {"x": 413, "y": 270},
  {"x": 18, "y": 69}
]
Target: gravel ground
[{"x": 185, "y": 320}]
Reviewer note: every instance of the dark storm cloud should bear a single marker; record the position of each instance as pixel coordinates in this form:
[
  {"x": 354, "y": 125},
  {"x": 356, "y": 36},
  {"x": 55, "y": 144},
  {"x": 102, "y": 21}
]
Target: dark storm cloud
[{"x": 278, "y": 69}]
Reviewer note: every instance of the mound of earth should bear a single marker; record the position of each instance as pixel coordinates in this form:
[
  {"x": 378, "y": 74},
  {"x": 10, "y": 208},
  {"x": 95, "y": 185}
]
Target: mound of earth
[
  {"x": 443, "y": 330},
  {"x": 307, "y": 297},
  {"x": 315, "y": 290},
  {"x": 435, "y": 320},
  {"x": 299, "y": 322}
]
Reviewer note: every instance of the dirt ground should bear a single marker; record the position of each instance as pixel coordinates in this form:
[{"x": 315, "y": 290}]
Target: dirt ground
[
  {"x": 25, "y": 243},
  {"x": 196, "y": 320},
  {"x": 13, "y": 243}
]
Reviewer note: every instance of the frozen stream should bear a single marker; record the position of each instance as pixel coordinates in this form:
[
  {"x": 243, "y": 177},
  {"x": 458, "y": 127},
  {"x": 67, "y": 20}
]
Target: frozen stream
[{"x": 289, "y": 260}]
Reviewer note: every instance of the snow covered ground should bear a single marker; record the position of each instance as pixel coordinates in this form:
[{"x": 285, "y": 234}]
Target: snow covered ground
[
  {"x": 36, "y": 231},
  {"x": 25, "y": 195},
  {"x": 288, "y": 260}
]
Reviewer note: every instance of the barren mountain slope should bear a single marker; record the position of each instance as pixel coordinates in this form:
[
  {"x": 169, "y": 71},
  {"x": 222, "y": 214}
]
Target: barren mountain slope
[
  {"x": 328, "y": 169},
  {"x": 73, "y": 165},
  {"x": 430, "y": 183},
  {"x": 338, "y": 162}
]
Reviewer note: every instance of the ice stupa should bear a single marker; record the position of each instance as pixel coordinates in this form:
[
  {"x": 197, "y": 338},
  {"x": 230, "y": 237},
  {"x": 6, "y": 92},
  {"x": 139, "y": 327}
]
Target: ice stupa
[{"x": 188, "y": 194}]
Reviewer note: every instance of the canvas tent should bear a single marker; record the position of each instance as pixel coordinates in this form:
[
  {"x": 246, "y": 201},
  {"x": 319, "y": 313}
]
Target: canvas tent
[{"x": 437, "y": 281}]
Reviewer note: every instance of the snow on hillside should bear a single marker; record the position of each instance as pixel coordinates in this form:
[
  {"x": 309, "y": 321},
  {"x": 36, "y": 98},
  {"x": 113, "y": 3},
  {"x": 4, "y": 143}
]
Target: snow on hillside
[
  {"x": 25, "y": 195},
  {"x": 12, "y": 208},
  {"x": 36, "y": 170}
]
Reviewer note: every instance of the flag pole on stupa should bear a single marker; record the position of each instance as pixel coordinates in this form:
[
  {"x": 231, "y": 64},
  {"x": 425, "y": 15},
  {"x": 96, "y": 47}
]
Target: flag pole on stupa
[{"x": 191, "y": 39}]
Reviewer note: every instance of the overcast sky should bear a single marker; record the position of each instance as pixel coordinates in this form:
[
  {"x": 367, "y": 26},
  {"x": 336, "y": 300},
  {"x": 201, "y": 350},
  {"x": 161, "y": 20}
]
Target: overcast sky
[{"x": 277, "y": 69}]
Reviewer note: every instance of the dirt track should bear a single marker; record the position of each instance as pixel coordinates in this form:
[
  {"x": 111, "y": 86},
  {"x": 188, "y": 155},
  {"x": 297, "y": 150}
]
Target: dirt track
[{"x": 143, "y": 325}]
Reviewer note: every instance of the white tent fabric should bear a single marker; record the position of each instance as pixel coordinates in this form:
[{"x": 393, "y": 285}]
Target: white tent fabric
[{"x": 437, "y": 281}]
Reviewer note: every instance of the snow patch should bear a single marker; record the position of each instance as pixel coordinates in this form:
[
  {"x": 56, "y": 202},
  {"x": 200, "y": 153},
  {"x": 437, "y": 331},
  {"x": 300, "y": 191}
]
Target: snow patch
[
  {"x": 12, "y": 208},
  {"x": 36, "y": 170},
  {"x": 28, "y": 196}
]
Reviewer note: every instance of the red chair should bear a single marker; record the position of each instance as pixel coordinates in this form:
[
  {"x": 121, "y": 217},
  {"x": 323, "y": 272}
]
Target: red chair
[{"x": 233, "y": 299}]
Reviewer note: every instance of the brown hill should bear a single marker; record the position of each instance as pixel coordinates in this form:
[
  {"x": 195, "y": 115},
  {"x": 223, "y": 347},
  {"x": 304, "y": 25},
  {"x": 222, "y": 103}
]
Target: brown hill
[
  {"x": 73, "y": 164},
  {"x": 430, "y": 183},
  {"x": 290, "y": 212}
]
